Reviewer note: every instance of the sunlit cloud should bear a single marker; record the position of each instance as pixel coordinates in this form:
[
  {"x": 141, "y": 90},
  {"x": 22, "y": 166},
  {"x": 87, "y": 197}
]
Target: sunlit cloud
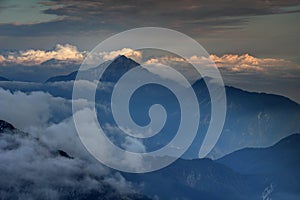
[
  {"x": 70, "y": 53},
  {"x": 31, "y": 57},
  {"x": 246, "y": 62},
  {"x": 135, "y": 55},
  {"x": 66, "y": 52},
  {"x": 231, "y": 62}
]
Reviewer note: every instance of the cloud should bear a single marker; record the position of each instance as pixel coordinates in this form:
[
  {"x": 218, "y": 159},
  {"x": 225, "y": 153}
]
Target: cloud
[
  {"x": 134, "y": 145},
  {"x": 70, "y": 53},
  {"x": 37, "y": 109},
  {"x": 32, "y": 168},
  {"x": 260, "y": 74},
  {"x": 230, "y": 62},
  {"x": 193, "y": 13},
  {"x": 50, "y": 119},
  {"x": 23, "y": 13},
  {"x": 31, "y": 160},
  {"x": 33, "y": 57},
  {"x": 135, "y": 55},
  {"x": 62, "y": 55},
  {"x": 247, "y": 62},
  {"x": 2, "y": 59},
  {"x": 113, "y": 16}
]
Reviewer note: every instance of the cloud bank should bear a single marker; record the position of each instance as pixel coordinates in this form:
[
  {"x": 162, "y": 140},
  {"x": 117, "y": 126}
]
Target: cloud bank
[
  {"x": 30, "y": 163},
  {"x": 63, "y": 54},
  {"x": 32, "y": 168},
  {"x": 67, "y": 52},
  {"x": 231, "y": 62},
  {"x": 32, "y": 57}
]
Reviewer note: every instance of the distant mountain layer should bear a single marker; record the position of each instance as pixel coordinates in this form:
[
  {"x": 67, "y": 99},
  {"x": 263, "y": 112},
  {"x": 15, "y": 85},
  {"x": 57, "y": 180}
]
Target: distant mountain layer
[
  {"x": 278, "y": 164},
  {"x": 252, "y": 119},
  {"x": 282, "y": 159},
  {"x": 69, "y": 77},
  {"x": 267, "y": 173},
  {"x": 197, "y": 179},
  {"x": 270, "y": 173}
]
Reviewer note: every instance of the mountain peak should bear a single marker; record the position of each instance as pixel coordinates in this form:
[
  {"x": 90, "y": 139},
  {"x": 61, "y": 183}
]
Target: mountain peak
[
  {"x": 5, "y": 126},
  {"x": 3, "y": 79},
  {"x": 117, "y": 68},
  {"x": 123, "y": 59}
]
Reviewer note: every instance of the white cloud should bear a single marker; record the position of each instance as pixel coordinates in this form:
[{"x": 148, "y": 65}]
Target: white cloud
[
  {"x": 247, "y": 62},
  {"x": 33, "y": 157},
  {"x": 130, "y": 53},
  {"x": 35, "y": 165},
  {"x": 51, "y": 120},
  {"x": 36, "y": 109},
  {"x": 231, "y": 62},
  {"x": 32, "y": 57},
  {"x": 70, "y": 53},
  {"x": 67, "y": 53}
]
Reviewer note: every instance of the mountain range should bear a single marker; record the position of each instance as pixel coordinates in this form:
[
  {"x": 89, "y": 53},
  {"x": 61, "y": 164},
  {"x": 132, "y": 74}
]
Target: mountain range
[
  {"x": 257, "y": 173},
  {"x": 252, "y": 119},
  {"x": 256, "y": 157},
  {"x": 250, "y": 173}
]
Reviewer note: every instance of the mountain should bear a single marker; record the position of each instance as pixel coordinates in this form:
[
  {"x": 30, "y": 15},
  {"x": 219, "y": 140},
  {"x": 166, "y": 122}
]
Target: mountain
[
  {"x": 264, "y": 173},
  {"x": 258, "y": 160},
  {"x": 116, "y": 68},
  {"x": 3, "y": 79},
  {"x": 252, "y": 119},
  {"x": 68, "y": 77},
  {"x": 5, "y": 126},
  {"x": 197, "y": 179},
  {"x": 279, "y": 164}
]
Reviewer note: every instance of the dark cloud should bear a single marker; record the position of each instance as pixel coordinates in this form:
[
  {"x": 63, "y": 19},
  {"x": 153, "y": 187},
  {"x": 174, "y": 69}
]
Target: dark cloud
[{"x": 80, "y": 16}]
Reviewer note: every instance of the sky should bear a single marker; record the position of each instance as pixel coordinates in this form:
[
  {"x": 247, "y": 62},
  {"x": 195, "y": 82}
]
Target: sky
[{"x": 255, "y": 43}]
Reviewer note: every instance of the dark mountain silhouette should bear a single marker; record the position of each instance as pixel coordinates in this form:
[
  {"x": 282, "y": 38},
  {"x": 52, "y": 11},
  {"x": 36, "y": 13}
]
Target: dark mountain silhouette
[
  {"x": 197, "y": 179},
  {"x": 116, "y": 69},
  {"x": 3, "y": 79},
  {"x": 279, "y": 164},
  {"x": 69, "y": 77},
  {"x": 271, "y": 172},
  {"x": 5, "y": 126},
  {"x": 258, "y": 160}
]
